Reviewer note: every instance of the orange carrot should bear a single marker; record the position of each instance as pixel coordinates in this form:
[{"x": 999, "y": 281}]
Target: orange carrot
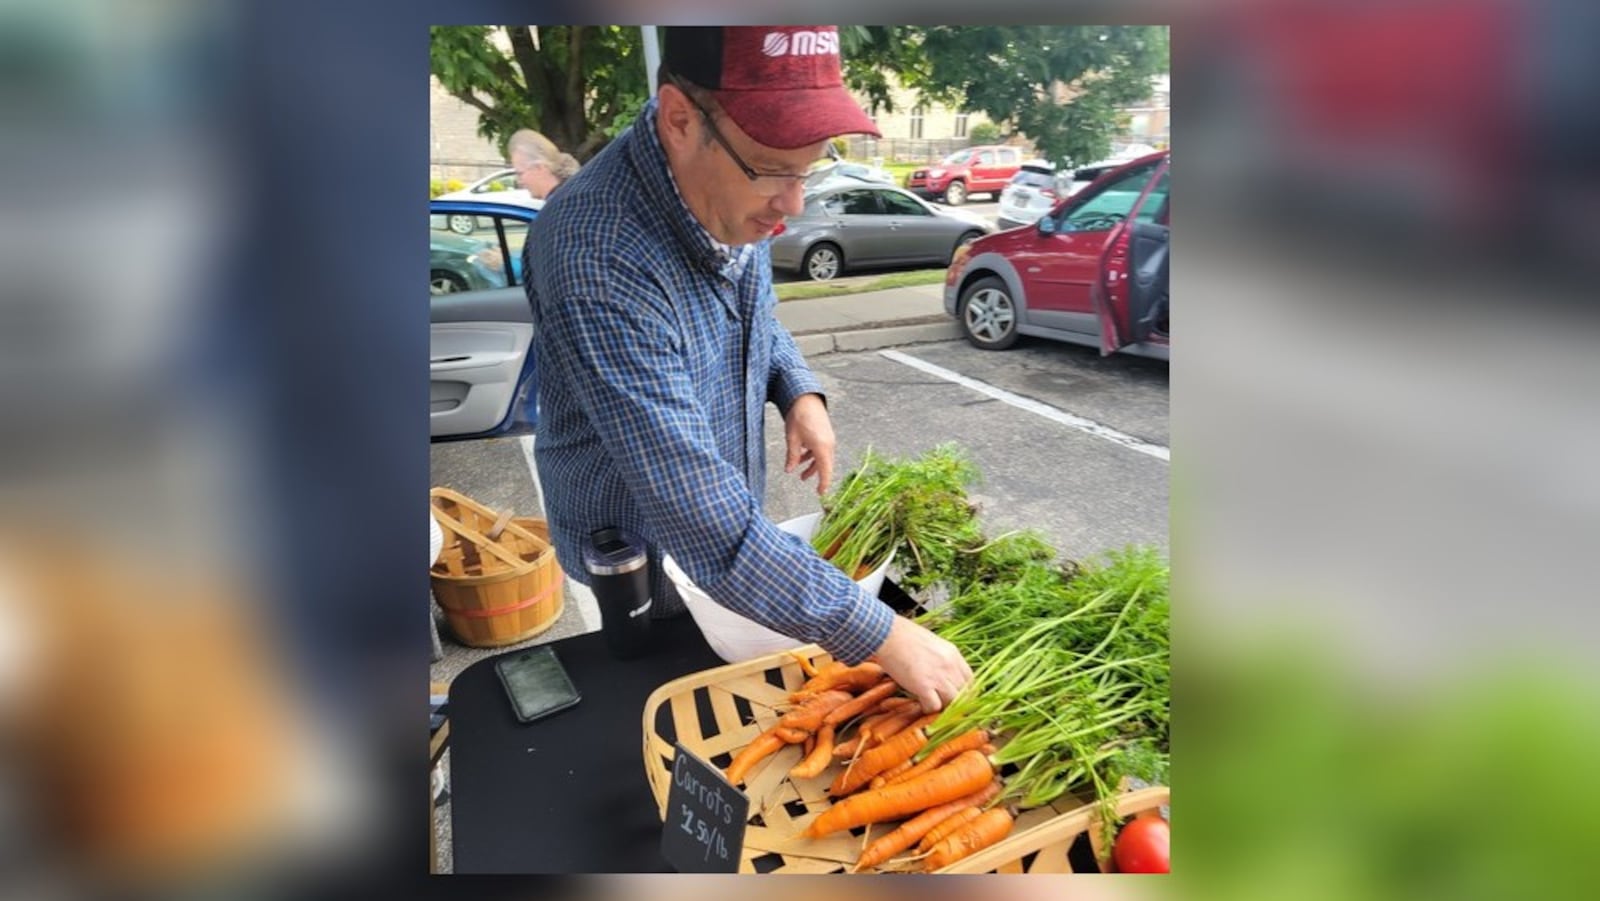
[
  {"x": 873, "y": 720},
  {"x": 966, "y": 741},
  {"x": 809, "y": 714},
  {"x": 871, "y": 734},
  {"x": 920, "y": 825},
  {"x": 861, "y": 702},
  {"x": 893, "y": 774},
  {"x": 764, "y": 745},
  {"x": 881, "y": 758},
  {"x": 952, "y": 824},
  {"x": 851, "y": 678},
  {"x": 893, "y": 726},
  {"x": 790, "y": 735},
  {"x": 960, "y": 777},
  {"x": 818, "y": 758},
  {"x": 993, "y": 825},
  {"x": 898, "y": 702},
  {"x": 806, "y": 666}
]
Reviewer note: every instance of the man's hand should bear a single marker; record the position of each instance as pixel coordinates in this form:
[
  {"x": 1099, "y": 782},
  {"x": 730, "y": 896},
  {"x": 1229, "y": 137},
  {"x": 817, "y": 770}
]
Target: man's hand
[
  {"x": 809, "y": 433},
  {"x": 927, "y": 666}
]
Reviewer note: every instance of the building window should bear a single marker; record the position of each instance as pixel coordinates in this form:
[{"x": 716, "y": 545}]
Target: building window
[
  {"x": 961, "y": 125},
  {"x": 916, "y": 121}
]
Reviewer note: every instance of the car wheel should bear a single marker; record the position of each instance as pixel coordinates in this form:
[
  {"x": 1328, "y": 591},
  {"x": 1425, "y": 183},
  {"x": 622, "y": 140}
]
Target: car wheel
[
  {"x": 988, "y": 314},
  {"x": 443, "y": 281},
  {"x": 965, "y": 239},
  {"x": 822, "y": 262},
  {"x": 955, "y": 193},
  {"x": 463, "y": 224}
]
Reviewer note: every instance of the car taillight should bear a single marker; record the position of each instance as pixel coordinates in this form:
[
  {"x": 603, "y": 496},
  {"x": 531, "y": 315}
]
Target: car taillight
[
  {"x": 1049, "y": 192},
  {"x": 782, "y": 227}
]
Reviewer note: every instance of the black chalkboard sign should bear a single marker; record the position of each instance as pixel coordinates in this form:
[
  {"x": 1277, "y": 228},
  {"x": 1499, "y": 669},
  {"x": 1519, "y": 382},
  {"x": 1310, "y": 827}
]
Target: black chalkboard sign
[{"x": 704, "y": 831}]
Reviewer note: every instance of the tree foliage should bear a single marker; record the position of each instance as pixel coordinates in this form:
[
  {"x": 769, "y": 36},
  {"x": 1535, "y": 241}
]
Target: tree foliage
[
  {"x": 1059, "y": 85},
  {"x": 573, "y": 83}
]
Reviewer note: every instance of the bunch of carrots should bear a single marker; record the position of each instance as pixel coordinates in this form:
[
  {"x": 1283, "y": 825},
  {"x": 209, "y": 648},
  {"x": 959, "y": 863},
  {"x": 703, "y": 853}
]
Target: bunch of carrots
[
  {"x": 1070, "y": 692},
  {"x": 948, "y": 794}
]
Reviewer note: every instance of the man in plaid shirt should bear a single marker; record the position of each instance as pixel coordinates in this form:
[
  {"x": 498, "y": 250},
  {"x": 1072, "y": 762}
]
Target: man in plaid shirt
[{"x": 650, "y": 282}]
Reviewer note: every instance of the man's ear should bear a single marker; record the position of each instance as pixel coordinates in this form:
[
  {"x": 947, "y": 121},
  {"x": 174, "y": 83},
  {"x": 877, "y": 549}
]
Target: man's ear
[{"x": 676, "y": 115}]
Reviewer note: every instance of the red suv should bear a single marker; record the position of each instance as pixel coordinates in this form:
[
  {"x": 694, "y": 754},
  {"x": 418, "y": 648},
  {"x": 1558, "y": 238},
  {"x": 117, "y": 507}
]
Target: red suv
[
  {"x": 975, "y": 170},
  {"x": 1092, "y": 271}
]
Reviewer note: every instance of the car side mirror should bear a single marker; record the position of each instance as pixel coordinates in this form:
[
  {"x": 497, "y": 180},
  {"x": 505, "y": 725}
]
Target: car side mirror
[{"x": 1047, "y": 225}]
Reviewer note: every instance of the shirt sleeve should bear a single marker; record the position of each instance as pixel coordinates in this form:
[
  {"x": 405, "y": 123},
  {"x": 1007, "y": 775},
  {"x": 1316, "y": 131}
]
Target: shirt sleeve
[{"x": 623, "y": 360}]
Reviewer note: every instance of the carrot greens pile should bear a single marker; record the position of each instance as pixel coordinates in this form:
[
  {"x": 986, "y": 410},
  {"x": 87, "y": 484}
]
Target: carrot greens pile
[
  {"x": 915, "y": 508},
  {"x": 1074, "y": 669}
]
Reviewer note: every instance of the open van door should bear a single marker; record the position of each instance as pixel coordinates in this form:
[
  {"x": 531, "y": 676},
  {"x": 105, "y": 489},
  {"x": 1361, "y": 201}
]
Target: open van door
[{"x": 1131, "y": 297}]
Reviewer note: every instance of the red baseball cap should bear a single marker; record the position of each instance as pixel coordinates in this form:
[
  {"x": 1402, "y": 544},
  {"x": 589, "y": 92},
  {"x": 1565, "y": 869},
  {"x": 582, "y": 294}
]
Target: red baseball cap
[{"x": 782, "y": 84}]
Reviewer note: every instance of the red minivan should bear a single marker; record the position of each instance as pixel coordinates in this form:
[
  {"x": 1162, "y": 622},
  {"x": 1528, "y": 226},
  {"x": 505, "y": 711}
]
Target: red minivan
[{"x": 1092, "y": 271}]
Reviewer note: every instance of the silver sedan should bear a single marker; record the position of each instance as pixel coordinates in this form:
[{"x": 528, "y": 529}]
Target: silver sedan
[{"x": 850, "y": 224}]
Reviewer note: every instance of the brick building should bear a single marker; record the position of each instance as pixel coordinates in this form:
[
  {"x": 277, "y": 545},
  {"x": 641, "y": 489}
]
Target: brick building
[{"x": 455, "y": 149}]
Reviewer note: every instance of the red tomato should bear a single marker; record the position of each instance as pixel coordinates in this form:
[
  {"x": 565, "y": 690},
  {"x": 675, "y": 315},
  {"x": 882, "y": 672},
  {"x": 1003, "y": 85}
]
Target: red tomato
[{"x": 1143, "y": 846}]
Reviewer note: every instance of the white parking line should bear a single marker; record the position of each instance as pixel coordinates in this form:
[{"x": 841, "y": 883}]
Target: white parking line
[
  {"x": 577, "y": 593},
  {"x": 1053, "y": 414}
]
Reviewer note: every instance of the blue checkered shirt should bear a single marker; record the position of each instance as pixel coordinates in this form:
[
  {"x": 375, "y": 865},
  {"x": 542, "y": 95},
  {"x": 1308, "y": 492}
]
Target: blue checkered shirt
[{"x": 657, "y": 351}]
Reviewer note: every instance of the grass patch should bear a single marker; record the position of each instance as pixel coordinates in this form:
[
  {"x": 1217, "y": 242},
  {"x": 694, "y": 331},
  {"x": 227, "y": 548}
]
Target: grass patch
[
  {"x": 901, "y": 171},
  {"x": 805, "y": 290}
]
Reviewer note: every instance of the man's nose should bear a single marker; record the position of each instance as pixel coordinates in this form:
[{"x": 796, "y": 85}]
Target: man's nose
[{"x": 791, "y": 200}]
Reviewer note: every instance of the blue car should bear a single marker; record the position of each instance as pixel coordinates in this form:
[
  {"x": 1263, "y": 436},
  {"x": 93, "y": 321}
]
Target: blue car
[{"x": 481, "y": 378}]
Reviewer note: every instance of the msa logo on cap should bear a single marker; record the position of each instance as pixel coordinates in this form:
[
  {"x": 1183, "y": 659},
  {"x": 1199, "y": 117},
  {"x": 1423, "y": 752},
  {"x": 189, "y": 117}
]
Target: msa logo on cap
[{"x": 801, "y": 43}]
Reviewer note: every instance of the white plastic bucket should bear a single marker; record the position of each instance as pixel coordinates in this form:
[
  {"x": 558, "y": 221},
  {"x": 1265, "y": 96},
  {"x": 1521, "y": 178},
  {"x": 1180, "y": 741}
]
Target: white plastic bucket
[{"x": 737, "y": 638}]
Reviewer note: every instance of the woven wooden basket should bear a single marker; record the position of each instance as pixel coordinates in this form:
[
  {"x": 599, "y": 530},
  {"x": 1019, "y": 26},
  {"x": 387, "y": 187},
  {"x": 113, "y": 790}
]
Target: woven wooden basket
[
  {"x": 716, "y": 712},
  {"x": 496, "y": 577}
]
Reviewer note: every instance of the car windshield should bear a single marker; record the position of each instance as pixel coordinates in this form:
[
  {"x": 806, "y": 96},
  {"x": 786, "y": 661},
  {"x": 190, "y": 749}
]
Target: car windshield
[{"x": 957, "y": 158}]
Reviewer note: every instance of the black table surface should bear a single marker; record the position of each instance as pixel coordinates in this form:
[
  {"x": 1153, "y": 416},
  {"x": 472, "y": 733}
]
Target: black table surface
[
  {"x": 565, "y": 794},
  {"x": 568, "y": 793}
]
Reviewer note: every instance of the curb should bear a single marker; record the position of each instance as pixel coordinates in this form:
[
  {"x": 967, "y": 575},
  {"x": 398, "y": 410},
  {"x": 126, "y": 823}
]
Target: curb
[{"x": 876, "y": 338}]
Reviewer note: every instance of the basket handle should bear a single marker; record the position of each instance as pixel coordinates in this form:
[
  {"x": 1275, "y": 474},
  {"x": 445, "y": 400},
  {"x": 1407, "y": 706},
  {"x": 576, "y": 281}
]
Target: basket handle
[
  {"x": 482, "y": 541},
  {"x": 500, "y": 523}
]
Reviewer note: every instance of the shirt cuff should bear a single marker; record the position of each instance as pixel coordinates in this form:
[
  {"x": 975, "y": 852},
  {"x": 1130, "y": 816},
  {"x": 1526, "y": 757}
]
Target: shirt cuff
[
  {"x": 802, "y": 596},
  {"x": 865, "y": 628},
  {"x": 787, "y": 387}
]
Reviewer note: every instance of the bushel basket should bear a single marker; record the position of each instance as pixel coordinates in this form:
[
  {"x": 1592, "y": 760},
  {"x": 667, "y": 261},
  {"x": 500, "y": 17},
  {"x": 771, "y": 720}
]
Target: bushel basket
[{"x": 496, "y": 577}]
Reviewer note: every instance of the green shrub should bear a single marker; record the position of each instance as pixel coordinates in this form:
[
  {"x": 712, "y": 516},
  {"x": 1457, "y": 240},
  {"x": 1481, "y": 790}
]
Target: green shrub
[
  {"x": 984, "y": 133},
  {"x": 435, "y": 188},
  {"x": 842, "y": 146}
]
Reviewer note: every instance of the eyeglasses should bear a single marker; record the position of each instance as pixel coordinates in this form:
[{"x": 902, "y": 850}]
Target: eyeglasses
[{"x": 766, "y": 183}]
